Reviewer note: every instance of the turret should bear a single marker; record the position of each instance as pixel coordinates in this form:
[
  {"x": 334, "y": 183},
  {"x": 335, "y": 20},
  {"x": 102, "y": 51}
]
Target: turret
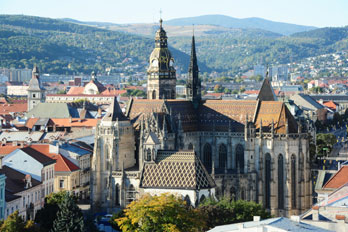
[
  {"x": 161, "y": 75},
  {"x": 193, "y": 85}
]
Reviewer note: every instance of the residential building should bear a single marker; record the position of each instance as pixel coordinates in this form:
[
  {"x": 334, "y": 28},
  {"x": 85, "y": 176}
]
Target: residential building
[
  {"x": 80, "y": 156},
  {"x": 279, "y": 224},
  {"x": 2, "y": 193},
  {"x": 22, "y": 193},
  {"x": 28, "y": 160}
]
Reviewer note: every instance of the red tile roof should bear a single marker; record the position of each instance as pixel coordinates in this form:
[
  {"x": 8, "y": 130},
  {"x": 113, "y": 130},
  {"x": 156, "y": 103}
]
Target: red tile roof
[
  {"x": 62, "y": 163},
  {"x": 339, "y": 179},
  {"x": 65, "y": 122},
  {"x": 330, "y": 104},
  {"x": 75, "y": 90},
  {"x": 31, "y": 122},
  {"x": 13, "y": 108},
  {"x": 8, "y": 148}
]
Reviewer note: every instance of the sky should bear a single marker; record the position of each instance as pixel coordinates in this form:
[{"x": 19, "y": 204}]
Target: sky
[{"x": 319, "y": 13}]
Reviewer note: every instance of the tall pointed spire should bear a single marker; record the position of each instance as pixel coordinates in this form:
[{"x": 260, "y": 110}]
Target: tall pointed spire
[
  {"x": 114, "y": 112},
  {"x": 193, "y": 86},
  {"x": 266, "y": 92}
]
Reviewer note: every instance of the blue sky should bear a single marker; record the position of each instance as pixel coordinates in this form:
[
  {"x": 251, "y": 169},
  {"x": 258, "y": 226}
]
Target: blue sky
[{"x": 318, "y": 13}]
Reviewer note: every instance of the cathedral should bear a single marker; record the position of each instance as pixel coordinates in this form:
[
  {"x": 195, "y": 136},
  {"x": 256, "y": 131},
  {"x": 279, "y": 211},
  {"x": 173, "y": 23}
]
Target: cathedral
[{"x": 243, "y": 149}]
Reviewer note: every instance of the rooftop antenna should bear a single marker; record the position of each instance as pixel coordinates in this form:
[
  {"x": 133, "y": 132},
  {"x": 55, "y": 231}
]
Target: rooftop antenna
[{"x": 193, "y": 29}]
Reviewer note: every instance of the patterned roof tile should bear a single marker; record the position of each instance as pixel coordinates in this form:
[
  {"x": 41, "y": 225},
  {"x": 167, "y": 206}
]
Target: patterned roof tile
[{"x": 176, "y": 169}]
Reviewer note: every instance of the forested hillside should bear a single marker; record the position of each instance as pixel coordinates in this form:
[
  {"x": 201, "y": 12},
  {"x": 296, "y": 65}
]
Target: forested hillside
[
  {"x": 61, "y": 47},
  {"x": 67, "y": 48}
]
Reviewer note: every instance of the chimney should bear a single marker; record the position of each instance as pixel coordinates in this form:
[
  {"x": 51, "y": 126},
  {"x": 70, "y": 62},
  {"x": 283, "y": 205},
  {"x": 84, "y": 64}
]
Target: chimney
[
  {"x": 340, "y": 218},
  {"x": 295, "y": 218},
  {"x": 28, "y": 181},
  {"x": 315, "y": 216},
  {"x": 256, "y": 218}
]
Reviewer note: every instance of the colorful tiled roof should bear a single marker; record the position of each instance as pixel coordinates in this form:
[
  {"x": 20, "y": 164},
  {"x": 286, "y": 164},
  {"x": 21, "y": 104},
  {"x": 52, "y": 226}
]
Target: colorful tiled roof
[
  {"x": 13, "y": 108},
  {"x": 339, "y": 179},
  {"x": 75, "y": 90},
  {"x": 177, "y": 170},
  {"x": 62, "y": 163}
]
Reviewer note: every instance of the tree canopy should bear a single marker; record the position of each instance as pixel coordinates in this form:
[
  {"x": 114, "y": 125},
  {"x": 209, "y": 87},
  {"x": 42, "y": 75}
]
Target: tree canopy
[{"x": 160, "y": 213}]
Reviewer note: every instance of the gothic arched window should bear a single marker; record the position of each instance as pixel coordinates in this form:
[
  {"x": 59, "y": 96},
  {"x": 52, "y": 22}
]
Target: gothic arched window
[
  {"x": 148, "y": 154},
  {"x": 240, "y": 158},
  {"x": 222, "y": 156},
  {"x": 268, "y": 181},
  {"x": 154, "y": 94},
  {"x": 207, "y": 156},
  {"x": 117, "y": 195},
  {"x": 202, "y": 198},
  {"x": 190, "y": 146},
  {"x": 280, "y": 182},
  {"x": 293, "y": 181},
  {"x": 188, "y": 201}
]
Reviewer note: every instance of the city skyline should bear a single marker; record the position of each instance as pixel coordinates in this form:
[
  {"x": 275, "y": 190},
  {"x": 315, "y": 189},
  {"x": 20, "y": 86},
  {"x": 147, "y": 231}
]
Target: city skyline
[{"x": 308, "y": 13}]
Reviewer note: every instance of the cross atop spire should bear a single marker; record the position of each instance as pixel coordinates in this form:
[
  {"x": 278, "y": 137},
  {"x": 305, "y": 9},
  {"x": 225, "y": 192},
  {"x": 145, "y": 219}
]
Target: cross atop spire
[{"x": 161, "y": 21}]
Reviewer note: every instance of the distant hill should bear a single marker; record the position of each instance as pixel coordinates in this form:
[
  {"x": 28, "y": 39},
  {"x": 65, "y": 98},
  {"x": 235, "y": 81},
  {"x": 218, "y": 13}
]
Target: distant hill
[
  {"x": 66, "y": 48},
  {"x": 62, "y": 47},
  {"x": 230, "y": 22},
  {"x": 330, "y": 34},
  {"x": 149, "y": 29}
]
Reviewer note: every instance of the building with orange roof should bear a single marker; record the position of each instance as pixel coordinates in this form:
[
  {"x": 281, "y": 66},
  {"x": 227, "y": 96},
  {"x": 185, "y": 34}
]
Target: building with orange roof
[
  {"x": 93, "y": 91},
  {"x": 331, "y": 105}
]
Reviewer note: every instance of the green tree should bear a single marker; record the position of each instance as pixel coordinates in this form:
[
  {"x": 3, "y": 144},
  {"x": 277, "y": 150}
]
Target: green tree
[
  {"x": 45, "y": 216},
  {"x": 160, "y": 213},
  {"x": 69, "y": 216},
  {"x": 15, "y": 223},
  {"x": 325, "y": 143},
  {"x": 226, "y": 211}
]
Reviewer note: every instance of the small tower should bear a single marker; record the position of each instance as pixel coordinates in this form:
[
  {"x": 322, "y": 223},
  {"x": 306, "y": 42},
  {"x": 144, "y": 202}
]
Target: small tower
[
  {"x": 114, "y": 149},
  {"x": 193, "y": 85},
  {"x": 161, "y": 74},
  {"x": 36, "y": 93}
]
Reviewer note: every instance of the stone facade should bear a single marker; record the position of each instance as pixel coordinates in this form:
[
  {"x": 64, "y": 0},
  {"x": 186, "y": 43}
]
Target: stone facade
[
  {"x": 252, "y": 150},
  {"x": 161, "y": 81}
]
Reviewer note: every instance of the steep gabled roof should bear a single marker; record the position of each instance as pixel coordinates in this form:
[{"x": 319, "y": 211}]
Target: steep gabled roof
[
  {"x": 339, "y": 179},
  {"x": 266, "y": 92},
  {"x": 176, "y": 170},
  {"x": 278, "y": 113},
  {"x": 114, "y": 112},
  {"x": 15, "y": 181},
  {"x": 43, "y": 159}
]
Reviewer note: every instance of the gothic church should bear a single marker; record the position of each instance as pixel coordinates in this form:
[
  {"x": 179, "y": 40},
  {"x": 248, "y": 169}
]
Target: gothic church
[{"x": 244, "y": 149}]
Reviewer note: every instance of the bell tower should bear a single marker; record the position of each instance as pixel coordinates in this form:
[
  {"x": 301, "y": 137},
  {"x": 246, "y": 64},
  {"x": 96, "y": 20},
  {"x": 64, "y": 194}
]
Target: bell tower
[
  {"x": 36, "y": 93},
  {"x": 161, "y": 74}
]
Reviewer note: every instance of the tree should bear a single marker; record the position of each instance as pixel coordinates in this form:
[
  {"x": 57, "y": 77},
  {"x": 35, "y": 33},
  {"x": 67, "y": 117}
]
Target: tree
[
  {"x": 15, "y": 223},
  {"x": 226, "y": 211},
  {"x": 45, "y": 216},
  {"x": 160, "y": 213},
  {"x": 69, "y": 216},
  {"x": 325, "y": 143}
]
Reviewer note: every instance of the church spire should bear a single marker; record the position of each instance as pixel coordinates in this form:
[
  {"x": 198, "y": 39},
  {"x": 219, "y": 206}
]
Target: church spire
[
  {"x": 161, "y": 75},
  {"x": 193, "y": 86},
  {"x": 266, "y": 92}
]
